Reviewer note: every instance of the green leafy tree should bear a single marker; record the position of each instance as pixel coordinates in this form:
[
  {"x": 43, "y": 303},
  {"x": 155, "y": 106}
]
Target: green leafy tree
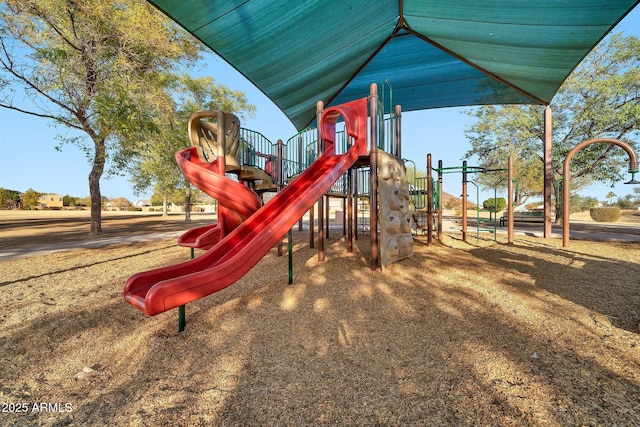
[
  {"x": 160, "y": 199},
  {"x": 13, "y": 199},
  {"x": 4, "y": 198},
  {"x": 156, "y": 167},
  {"x": 83, "y": 201},
  {"x": 601, "y": 98},
  {"x": 582, "y": 203},
  {"x": 175, "y": 197},
  {"x": 98, "y": 68},
  {"x": 610, "y": 196},
  {"x": 495, "y": 204},
  {"x": 30, "y": 198},
  {"x": 625, "y": 202},
  {"x": 414, "y": 175},
  {"x": 503, "y": 131},
  {"x": 68, "y": 200}
]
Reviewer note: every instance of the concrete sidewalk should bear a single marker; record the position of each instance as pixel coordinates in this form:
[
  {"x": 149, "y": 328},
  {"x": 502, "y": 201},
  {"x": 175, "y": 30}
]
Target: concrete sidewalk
[
  {"x": 37, "y": 250},
  {"x": 622, "y": 232}
]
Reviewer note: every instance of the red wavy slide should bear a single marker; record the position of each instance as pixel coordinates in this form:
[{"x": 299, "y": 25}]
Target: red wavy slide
[
  {"x": 239, "y": 202},
  {"x": 159, "y": 290}
]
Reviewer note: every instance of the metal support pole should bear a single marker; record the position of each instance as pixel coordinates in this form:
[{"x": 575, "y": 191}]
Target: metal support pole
[
  {"x": 326, "y": 216},
  {"x": 312, "y": 220},
  {"x": 464, "y": 200},
  {"x": 398, "y": 130},
  {"x": 350, "y": 210},
  {"x": 548, "y": 172},
  {"x": 355, "y": 204},
  {"x": 566, "y": 202},
  {"x": 182, "y": 318},
  {"x": 429, "y": 201},
  {"x": 290, "y": 249},
  {"x": 300, "y": 162},
  {"x": 509, "y": 200},
  {"x": 280, "y": 172},
  {"x": 279, "y": 183},
  {"x": 182, "y": 310},
  {"x": 440, "y": 200},
  {"x": 477, "y": 210},
  {"x": 220, "y": 154},
  {"x": 344, "y": 216},
  {"x": 373, "y": 183},
  {"x": 319, "y": 110}
]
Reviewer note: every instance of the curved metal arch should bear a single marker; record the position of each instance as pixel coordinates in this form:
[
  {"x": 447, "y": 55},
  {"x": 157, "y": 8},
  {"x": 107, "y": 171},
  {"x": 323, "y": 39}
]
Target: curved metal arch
[{"x": 566, "y": 168}]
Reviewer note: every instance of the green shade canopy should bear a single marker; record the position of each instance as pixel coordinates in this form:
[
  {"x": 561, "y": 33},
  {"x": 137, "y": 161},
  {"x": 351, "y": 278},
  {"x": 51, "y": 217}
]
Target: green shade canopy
[{"x": 435, "y": 53}]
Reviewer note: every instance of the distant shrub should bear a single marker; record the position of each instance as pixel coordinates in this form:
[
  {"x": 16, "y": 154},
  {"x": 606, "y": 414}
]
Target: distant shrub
[
  {"x": 605, "y": 214},
  {"x": 134, "y": 209},
  {"x": 495, "y": 205}
]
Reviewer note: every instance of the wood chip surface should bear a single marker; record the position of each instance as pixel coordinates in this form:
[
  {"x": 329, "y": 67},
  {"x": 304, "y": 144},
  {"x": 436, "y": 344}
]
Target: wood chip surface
[{"x": 478, "y": 333}]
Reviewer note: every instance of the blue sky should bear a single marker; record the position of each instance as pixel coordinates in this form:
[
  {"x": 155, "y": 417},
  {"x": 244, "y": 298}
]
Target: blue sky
[{"x": 28, "y": 158}]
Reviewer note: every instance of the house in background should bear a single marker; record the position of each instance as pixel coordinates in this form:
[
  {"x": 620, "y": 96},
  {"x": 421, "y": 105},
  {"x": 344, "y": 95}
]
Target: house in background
[
  {"x": 50, "y": 201},
  {"x": 142, "y": 203}
]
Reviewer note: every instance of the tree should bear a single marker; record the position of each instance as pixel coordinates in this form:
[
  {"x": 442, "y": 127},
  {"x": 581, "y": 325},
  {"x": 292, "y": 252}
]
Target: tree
[
  {"x": 414, "y": 176},
  {"x": 13, "y": 201},
  {"x": 4, "y": 198},
  {"x": 636, "y": 193},
  {"x": 625, "y": 202},
  {"x": 121, "y": 202},
  {"x": 30, "y": 198},
  {"x": 97, "y": 68},
  {"x": 83, "y": 201},
  {"x": 68, "y": 200},
  {"x": 601, "y": 98},
  {"x": 503, "y": 131},
  {"x": 155, "y": 167},
  {"x": 495, "y": 204},
  {"x": 582, "y": 203},
  {"x": 610, "y": 196}
]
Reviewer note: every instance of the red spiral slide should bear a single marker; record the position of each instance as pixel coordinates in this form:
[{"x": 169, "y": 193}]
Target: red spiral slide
[
  {"x": 238, "y": 201},
  {"x": 159, "y": 290}
]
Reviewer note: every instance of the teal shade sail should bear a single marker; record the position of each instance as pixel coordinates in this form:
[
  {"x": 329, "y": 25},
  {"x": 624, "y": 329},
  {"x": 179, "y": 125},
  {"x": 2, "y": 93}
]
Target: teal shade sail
[{"x": 435, "y": 53}]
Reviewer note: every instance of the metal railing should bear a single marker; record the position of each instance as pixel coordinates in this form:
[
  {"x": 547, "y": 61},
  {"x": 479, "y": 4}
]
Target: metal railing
[{"x": 256, "y": 149}]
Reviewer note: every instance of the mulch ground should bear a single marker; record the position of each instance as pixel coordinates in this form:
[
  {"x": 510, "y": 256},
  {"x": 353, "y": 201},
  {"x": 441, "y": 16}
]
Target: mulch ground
[{"x": 478, "y": 333}]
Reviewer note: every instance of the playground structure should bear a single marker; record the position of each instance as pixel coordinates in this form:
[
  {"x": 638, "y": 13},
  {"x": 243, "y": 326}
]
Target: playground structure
[
  {"x": 433, "y": 206},
  {"x": 237, "y": 166},
  {"x": 434, "y": 191},
  {"x": 234, "y": 167},
  {"x": 431, "y": 69}
]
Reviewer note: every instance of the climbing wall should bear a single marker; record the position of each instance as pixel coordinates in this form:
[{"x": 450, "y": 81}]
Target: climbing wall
[{"x": 396, "y": 241}]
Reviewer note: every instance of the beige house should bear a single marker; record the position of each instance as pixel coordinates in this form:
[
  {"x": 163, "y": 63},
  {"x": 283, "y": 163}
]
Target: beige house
[{"x": 50, "y": 200}]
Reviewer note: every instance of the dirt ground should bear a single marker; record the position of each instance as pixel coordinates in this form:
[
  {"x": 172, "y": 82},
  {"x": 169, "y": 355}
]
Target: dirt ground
[
  {"x": 478, "y": 333},
  {"x": 21, "y": 228}
]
